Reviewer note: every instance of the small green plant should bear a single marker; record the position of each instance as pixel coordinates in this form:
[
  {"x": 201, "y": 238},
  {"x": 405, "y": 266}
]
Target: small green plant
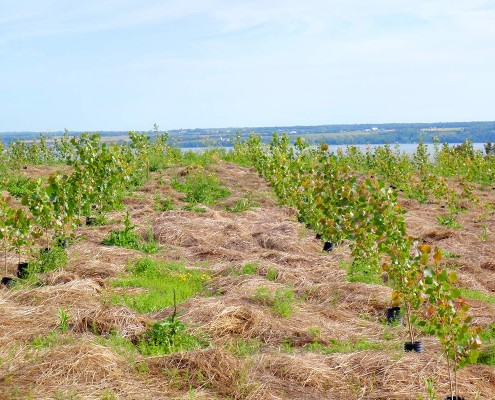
[
  {"x": 63, "y": 317},
  {"x": 449, "y": 220},
  {"x": 168, "y": 336},
  {"x": 271, "y": 274},
  {"x": 163, "y": 204},
  {"x": 360, "y": 271},
  {"x": 131, "y": 240}
]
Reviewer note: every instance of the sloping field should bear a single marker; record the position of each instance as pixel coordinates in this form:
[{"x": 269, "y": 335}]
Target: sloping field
[{"x": 278, "y": 318}]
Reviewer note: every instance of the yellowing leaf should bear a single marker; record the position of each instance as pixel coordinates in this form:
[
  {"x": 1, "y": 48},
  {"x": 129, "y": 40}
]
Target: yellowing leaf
[
  {"x": 424, "y": 248},
  {"x": 438, "y": 255}
]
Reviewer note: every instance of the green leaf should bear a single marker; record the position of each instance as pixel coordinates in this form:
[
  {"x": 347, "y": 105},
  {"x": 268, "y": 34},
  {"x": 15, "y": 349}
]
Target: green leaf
[{"x": 452, "y": 277}]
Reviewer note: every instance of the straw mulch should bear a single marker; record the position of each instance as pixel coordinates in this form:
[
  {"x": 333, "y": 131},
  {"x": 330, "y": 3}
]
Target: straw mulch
[{"x": 327, "y": 310}]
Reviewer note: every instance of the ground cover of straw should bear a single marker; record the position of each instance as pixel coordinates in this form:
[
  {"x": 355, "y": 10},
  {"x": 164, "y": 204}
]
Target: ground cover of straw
[{"x": 253, "y": 352}]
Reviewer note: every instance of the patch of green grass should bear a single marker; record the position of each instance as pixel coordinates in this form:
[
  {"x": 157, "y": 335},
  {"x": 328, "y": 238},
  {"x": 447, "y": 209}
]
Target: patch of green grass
[
  {"x": 131, "y": 240},
  {"x": 448, "y": 220},
  {"x": 200, "y": 188},
  {"x": 243, "y": 204},
  {"x": 244, "y": 348},
  {"x": 348, "y": 346},
  {"x": 449, "y": 254},
  {"x": 281, "y": 301},
  {"x": 360, "y": 271},
  {"x": 52, "y": 338},
  {"x": 157, "y": 281},
  {"x": 196, "y": 209},
  {"x": 477, "y": 295},
  {"x": 119, "y": 344},
  {"x": 487, "y": 353}
]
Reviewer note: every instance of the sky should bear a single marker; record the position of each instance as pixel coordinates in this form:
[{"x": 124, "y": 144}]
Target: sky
[{"x": 124, "y": 64}]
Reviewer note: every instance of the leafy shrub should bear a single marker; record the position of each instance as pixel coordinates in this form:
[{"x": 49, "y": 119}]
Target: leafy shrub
[
  {"x": 48, "y": 260},
  {"x": 168, "y": 336}
]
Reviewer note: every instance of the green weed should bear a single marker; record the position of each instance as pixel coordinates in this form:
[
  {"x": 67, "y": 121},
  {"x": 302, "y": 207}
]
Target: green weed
[
  {"x": 271, "y": 274},
  {"x": 448, "y": 220},
  {"x": 18, "y": 186},
  {"x": 131, "y": 240},
  {"x": 47, "y": 260},
  {"x": 168, "y": 336}
]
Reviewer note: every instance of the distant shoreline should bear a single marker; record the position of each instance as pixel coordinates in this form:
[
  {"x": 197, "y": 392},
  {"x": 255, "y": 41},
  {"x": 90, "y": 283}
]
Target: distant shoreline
[{"x": 341, "y": 134}]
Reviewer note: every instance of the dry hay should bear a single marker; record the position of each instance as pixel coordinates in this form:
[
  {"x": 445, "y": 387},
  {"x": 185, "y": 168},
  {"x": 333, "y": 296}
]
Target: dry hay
[
  {"x": 109, "y": 319},
  {"x": 82, "y": 367},
  {"x": 21, "y": 323},
  {"x": 215, "y": 368}
]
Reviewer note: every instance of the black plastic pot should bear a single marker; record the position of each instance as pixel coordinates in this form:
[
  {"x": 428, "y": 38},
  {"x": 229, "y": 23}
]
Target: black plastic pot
[
  {"x": 90, "y": 221},
  {"x": 9, "y": 282},
  {"x": 328, "y": 246},
  {"x": 63, "y": 243},
  {"x": 415, "y": 346},
  {"x": 45, "y": 250},
  {"x": 22, "y": 270},
  {"x": 455, "y": 398},
  {"x": 393, "y": 315}
]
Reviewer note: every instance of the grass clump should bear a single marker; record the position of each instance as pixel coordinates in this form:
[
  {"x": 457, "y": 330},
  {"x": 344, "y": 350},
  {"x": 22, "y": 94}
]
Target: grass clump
[
  {"x": 200, "y": 187},
  {"x": 271, "y": 274},
  {"x": 131, "y": 240},
  {"x": 243, "y": 204},
  {"x": 163, "y": 204},
  {"x": 348, "y": 346},
  {"x": 448, "y": 220},
  {"x": 158, "y": 281},
  {"x": 281, "y": 301},
  {"x": 244, "y": 347}
]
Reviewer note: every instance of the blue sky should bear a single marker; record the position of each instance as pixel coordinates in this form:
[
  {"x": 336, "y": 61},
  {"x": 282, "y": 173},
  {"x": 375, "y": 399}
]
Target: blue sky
[{"x": 124, "y": 65}]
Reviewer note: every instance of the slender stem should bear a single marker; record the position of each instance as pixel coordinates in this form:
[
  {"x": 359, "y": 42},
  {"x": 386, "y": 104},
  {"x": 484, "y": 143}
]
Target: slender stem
[
  {"x": 408, "y": 318},
  {"x": 450, "y": 374}
]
